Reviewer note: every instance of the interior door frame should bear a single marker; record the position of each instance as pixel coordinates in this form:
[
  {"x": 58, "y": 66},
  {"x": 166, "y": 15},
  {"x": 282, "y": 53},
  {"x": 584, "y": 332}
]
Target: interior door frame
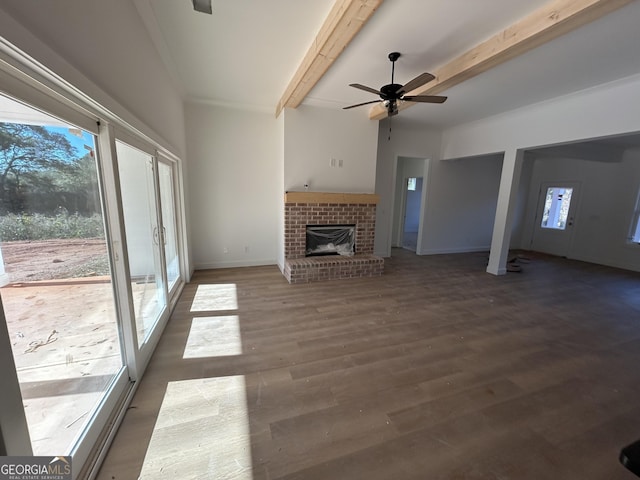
[
  {"x": 403, "y": 214},
  {"x": 423, "y": 200}
]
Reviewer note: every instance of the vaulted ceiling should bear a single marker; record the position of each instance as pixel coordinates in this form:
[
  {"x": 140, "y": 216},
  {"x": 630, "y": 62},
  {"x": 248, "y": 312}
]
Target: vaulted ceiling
[{"x": 247, "y": 52}]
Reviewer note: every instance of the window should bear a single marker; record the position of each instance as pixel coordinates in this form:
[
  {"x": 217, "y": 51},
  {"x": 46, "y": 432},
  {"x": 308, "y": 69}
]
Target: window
[
  {"x": 556, "y": 208},
  {"x": 411, "y": 184},
  {"x": 635, "y": 224}
]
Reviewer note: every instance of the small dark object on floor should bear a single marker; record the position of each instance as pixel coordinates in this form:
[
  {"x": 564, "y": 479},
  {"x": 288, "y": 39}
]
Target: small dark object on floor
[
  {"x": 630, "y": 457},
  {"x": 512, "y": 267},
  {"x": 513, "y": 263}
]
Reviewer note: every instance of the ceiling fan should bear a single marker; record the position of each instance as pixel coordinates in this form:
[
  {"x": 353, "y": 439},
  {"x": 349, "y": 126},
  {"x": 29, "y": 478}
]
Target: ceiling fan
[
  {"x": 203, "y": 6},
  {"x": 393, "y": 92}
]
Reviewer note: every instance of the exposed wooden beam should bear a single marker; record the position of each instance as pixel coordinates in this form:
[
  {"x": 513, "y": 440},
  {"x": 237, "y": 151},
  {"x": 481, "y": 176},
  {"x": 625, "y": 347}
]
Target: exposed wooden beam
[
  {"x": 345, "y": 19},
  {"x": 548, "y": 22}
]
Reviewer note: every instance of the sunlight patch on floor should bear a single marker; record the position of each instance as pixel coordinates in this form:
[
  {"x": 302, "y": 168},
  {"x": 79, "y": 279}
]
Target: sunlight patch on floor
[
  {"x": 214, "y": 337},
  {"x": 215, "y": 297},
  {"x": 202, "y": 431}
]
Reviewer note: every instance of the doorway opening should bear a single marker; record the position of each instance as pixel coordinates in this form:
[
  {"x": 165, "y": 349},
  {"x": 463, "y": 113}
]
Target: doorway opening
[
  {"x": 412, "y": 204},
  {"x": 409, "y": 201}
]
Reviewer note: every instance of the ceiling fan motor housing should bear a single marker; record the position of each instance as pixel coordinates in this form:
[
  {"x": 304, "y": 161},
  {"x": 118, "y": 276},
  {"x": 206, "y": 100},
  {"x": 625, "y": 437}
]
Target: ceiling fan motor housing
[{"x": 390, "y": 91}]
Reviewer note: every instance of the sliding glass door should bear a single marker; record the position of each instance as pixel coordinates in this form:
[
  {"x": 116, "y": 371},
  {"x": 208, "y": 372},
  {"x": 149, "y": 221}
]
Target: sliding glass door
[
  {"x": 169, "y": 224},
  {"x": 136, "y": 170},
  {"x": 57, "y": 286},
  {"x": 90, "y": 260}
]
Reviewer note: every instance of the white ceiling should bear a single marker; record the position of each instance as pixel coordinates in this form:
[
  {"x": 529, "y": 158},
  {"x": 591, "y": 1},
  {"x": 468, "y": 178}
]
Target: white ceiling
[{"x": 248, "y": 50}]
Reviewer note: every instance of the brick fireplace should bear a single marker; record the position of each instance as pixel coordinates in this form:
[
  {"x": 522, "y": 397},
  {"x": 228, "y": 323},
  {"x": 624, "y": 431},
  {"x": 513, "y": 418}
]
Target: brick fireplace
[{"x": 316, "y": 208}]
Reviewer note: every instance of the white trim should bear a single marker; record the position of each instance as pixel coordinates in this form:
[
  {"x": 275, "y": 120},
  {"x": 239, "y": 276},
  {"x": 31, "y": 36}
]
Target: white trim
[
  {"x": 235, "y": 263},
  {"x": 394, "y": 178},
  {"x": 499, "y": 271},
  {"x": 607, "y": 262},
  {"x": 13, "y": 421},
  {"x": 440, "y": 251},
  {"x": 233, "y": 106},
  {"x": 94, "y": 465}
]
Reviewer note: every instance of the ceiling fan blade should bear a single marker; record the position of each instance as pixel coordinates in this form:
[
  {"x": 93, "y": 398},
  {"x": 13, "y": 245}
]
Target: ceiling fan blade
[
  {"x": 365, "y": 88},
  {"x": 424, "y": 98},
  {"x": 416, "y": 82},
  {"x": 203, "y": 6},
  {"x": 360, "y": 104}
]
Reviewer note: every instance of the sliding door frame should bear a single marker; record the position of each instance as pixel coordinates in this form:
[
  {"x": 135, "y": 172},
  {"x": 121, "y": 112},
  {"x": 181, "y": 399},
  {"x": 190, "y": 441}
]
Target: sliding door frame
[{"x": 29, "y": 82}]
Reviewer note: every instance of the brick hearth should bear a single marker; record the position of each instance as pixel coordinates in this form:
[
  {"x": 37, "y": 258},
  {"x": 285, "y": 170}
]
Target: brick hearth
[{"x": 307, "y": 208}]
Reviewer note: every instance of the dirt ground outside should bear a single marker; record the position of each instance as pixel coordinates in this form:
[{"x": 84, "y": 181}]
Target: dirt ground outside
[
  {"x": 28, "y": 261},
  {"x": 60, "y": 314}
]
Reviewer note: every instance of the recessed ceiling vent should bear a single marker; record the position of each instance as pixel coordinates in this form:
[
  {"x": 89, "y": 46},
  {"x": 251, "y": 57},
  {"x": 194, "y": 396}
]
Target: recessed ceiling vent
[{"x": 203, "y": 6}]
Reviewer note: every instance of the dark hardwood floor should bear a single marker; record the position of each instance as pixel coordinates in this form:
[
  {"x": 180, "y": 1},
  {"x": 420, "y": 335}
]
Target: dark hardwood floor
[{"x": 435, "y": 370}]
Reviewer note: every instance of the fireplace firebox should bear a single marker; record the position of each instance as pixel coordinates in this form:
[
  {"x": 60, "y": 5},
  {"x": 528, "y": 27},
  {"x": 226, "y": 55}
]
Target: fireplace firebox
[{"x": 330, "y": 240}]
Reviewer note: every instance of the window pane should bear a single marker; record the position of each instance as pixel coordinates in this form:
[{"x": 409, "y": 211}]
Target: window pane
[
  {"x": 167, "y": 201},
  {"x": 635, "y": 223},
  {"x": 143, "y": 237},
  {"x": 556, "y": 208},
  {"x": 55, "y": 271}
]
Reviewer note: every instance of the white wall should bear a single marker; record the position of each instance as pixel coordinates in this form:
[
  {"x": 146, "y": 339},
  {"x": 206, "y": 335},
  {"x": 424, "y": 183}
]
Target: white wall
[
  {"x": 461, "y": 202},
  {"x": 313, "y": 136},
  {"x": 234, "y": 186},
  {"x": 103, "y": 49},
  {"x": 602, "y": 111},
  {"x": 608, "y": 194},
  {"x": 607, "y": 110},
  {"x": 407, "y": 140}
]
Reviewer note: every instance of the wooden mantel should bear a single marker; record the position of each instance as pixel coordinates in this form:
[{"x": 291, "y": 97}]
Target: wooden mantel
[{"x": 326, "y": 197}]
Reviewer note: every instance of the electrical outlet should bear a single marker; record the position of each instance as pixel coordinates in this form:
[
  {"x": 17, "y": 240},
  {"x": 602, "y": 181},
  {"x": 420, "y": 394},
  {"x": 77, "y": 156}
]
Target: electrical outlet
[
  {"x": 340, "y": 163},
  {"x": 225, "y": 250},
  {"x": 332, "y": 162}
]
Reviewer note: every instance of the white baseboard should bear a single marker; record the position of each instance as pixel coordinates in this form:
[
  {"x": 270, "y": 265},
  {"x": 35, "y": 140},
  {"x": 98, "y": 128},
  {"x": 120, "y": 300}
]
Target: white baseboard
[
  {"x": 234, "y": 264},
  {"x": 608, "y": 263},
  {"x": 440, "y": 251}
]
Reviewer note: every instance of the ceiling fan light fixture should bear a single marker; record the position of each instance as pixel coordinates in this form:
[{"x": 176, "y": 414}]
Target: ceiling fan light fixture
[
  {"x": 203, "y": 6},
  {"x": 393, "y": 93}
]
